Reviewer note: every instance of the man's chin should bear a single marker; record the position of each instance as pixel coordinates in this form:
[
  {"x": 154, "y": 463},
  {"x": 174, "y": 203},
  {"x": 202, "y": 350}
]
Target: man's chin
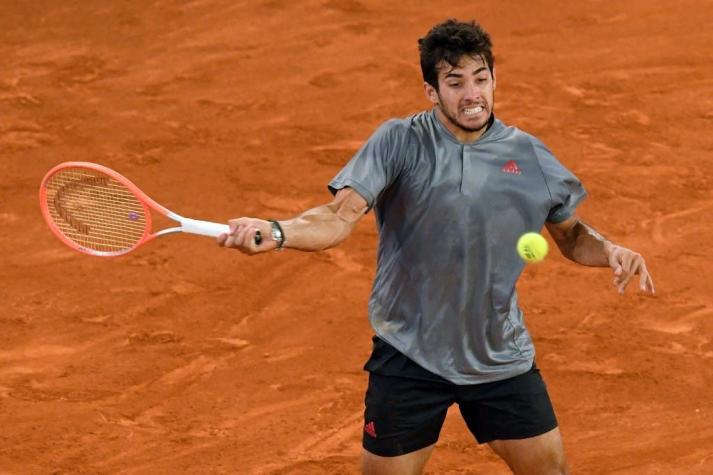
[
  {"x": 473, "y": 127},
  {"x": 465, "y": 126}
]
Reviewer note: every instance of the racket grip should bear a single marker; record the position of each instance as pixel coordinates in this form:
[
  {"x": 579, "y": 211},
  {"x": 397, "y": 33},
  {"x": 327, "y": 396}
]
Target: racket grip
[
  {"x": 203, "y": 228},
  {"x": 207, "y": 228}
]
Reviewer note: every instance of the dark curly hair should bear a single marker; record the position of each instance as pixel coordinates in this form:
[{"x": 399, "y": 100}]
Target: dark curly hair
[{"x": 449, "y": 42}]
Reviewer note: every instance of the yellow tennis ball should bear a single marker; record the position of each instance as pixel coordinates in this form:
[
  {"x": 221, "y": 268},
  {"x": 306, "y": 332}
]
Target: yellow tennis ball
[{"x": 532, "y": 247}]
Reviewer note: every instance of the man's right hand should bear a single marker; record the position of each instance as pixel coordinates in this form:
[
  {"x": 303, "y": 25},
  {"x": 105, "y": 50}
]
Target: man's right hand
[{"x": 242, "y": 236}]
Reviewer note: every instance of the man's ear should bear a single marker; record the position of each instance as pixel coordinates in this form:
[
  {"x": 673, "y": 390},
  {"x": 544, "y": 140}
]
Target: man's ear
[
  {"x": 431, "y": 93},
  {"x": 494, "y": 82}
]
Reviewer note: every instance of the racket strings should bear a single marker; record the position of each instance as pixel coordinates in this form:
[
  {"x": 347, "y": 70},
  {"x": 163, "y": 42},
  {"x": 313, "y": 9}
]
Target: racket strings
[{"x": 94, "y": 210}]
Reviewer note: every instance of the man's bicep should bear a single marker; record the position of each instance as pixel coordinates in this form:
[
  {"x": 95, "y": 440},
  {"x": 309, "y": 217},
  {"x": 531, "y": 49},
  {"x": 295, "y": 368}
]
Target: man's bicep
[{"x": 349, "y": 205}]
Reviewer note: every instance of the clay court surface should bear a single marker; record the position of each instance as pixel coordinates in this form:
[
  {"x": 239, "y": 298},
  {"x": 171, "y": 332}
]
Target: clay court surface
[{"x": 186, "y": 358}]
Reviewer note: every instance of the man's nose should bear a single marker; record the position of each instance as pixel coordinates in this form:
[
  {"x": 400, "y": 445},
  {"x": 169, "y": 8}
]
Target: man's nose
[{"x": 472, "y": 92}]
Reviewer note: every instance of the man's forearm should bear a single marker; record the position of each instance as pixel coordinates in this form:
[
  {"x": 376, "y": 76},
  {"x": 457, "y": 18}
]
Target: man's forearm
[
  {"x": 584, "y": 245},
  {"x": 316, "y": 229}
]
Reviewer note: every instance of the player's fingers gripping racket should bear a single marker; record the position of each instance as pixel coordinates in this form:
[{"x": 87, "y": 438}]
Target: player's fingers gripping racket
[{"x": 95, "y": 210}]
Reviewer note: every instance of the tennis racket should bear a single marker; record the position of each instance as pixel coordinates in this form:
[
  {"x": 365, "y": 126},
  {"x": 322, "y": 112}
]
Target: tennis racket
[{"x": 97, "y": 211}]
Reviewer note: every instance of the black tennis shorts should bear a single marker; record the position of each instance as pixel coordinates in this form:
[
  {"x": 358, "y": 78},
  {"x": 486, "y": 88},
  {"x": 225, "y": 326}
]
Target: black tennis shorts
[{"x": 407, "y": 404}]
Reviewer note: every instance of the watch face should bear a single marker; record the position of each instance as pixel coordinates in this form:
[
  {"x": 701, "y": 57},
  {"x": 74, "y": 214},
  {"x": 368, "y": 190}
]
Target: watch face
[{"x": 276, "y": 233}]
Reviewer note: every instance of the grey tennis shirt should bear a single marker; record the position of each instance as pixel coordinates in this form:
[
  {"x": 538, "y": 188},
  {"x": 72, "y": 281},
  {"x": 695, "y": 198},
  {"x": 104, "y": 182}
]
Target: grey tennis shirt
[{"x": 449, "y": 215}]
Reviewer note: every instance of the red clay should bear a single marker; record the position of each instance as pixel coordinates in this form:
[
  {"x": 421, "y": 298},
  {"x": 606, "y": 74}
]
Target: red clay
[{"x": 184, "y": 357}]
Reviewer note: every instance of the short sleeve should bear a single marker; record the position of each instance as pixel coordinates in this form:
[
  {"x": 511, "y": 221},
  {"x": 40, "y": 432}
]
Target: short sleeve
[
  {"x": 566, "y": 191},
  {"x": 377, "y": 164}
]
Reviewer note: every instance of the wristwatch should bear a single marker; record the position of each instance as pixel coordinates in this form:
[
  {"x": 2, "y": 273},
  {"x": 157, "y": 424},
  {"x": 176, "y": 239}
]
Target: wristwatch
[{"x": 277, "y": 234}]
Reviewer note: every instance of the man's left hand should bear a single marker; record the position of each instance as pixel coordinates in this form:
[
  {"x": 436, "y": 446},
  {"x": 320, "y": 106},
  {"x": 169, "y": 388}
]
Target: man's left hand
[{"x": 626, "y": 264}]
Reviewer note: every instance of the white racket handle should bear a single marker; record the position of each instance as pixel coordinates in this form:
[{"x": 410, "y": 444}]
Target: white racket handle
[{"x": 203, "y": 228}]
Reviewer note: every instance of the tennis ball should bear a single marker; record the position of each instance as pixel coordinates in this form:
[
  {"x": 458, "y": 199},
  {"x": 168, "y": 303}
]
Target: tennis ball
[{"x": 532, "y": 247}]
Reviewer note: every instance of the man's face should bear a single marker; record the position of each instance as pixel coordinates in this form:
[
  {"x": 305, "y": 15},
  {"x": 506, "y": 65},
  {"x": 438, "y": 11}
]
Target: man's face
[{"x": 466, "y": 96}]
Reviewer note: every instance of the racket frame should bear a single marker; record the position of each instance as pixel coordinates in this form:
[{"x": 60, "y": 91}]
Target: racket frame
[{"x": 187, "y": 225}]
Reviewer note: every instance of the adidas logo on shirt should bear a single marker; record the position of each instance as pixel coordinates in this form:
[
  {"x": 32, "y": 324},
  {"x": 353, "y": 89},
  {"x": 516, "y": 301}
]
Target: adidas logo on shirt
[{"x": 512, "y": 168}]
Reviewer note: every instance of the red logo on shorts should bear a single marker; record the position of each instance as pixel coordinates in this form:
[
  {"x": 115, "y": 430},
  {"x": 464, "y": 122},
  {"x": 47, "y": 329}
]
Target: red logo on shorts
[
  {"x": 370, "y": 429},
  {"x": 511, "y": 167}
]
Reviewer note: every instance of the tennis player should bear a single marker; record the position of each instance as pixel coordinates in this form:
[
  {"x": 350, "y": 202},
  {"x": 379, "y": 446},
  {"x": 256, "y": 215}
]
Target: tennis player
[{"x": 452, "y": 188}]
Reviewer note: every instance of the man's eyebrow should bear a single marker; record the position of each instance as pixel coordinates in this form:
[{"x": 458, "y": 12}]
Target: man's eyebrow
[{"x": 451, "y": 74}]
